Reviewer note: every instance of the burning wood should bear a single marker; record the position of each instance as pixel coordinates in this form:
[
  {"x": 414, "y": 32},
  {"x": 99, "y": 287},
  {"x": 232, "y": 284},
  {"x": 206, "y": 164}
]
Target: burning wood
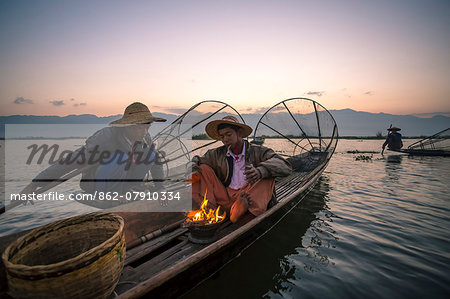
[{"x": 203, "y": 217}]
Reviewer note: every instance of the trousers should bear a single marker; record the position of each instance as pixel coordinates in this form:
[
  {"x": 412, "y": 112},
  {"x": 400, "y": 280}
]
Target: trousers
[{"x": 217, "y": 194}]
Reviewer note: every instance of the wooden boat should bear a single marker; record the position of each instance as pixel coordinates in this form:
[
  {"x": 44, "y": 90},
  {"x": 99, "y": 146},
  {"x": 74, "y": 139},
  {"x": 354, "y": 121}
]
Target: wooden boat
[
  {"x": 435, "y": 145},
  {"x": 413, "y": 152},
  {"x": 170, "y": 264}
]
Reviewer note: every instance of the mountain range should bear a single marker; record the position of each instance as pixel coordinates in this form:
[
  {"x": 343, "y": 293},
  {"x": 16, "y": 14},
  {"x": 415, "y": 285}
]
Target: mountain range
[{"x": 350, "y": 122}]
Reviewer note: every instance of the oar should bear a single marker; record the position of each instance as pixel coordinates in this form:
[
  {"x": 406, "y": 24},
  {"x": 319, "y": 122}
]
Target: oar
[
  {"x": 154, "y": 234},
  {"x": 47, "y": 187},
  {"x": 383, "y": 147}
]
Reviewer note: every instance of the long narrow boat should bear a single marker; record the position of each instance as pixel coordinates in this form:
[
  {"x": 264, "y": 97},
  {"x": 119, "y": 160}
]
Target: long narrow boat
[
  {"x": 435, "y": 145},
  {"x": 169, "y": 264}
]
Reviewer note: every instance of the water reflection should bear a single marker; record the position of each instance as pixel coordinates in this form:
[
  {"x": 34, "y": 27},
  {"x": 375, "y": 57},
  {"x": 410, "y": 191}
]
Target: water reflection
[
  {"x": 312, "y": 218},
  {"x": 394, "y": 159},
  {"x": 393, "y": 168},
  {"x": 267, "y": 266}
]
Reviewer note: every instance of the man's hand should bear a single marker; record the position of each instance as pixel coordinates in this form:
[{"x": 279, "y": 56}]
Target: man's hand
[
  {"x": 192, "y": 167},
  {"x": 192, "y": 173},
  {"x": 251, "y": 174}
]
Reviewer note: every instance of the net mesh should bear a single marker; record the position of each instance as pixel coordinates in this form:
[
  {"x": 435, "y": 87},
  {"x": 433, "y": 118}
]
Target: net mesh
[
  {"x": 291, "y": 128},
  {"x": 186, "y": 136},
  {"x": 300, "y": 125},
  {"x": 438, "y": 142}
]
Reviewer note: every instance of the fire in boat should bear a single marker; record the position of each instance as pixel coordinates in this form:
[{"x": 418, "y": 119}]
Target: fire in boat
[
  {"x": 204, "y": 218},
  {"x": 168, "y": 256}
]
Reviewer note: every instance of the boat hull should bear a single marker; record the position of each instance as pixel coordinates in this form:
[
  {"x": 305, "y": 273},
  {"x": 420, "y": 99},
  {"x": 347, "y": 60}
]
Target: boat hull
[
  {"x": 188, "y": 273},
  {"x": 412, "y": 152}
]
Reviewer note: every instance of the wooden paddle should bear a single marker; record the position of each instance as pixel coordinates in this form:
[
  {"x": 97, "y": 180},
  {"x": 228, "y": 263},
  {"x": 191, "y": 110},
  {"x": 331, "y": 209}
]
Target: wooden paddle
[
  {"x": 154, "y": 234},
  {"x": 47, "y": 187},
  {"x": 383, "y": 147}
]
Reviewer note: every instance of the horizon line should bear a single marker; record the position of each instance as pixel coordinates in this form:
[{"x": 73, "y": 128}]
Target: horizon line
[{"x": 419, "y": 115}]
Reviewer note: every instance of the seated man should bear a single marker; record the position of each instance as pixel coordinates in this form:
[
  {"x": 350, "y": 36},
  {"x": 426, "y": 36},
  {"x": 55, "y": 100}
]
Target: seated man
[
  {"x": 114, "y": 159},
  {"x": 238, "y": 176},
  {"x": 393, "y": 139}
]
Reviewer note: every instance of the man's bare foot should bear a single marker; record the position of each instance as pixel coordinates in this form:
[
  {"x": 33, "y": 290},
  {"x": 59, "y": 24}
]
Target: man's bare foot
[{"x": 239, "y": 207}]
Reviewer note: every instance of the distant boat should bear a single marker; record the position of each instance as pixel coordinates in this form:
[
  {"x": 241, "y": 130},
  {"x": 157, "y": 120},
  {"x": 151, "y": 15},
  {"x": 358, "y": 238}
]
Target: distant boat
[
  {"x": 435, "y": 145},
  {"x": 258, "y": 140}
]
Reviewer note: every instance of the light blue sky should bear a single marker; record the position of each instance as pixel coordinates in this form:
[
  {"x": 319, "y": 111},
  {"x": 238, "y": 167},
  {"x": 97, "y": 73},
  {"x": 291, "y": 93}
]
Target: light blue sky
[{"x": 74, "y": 57}]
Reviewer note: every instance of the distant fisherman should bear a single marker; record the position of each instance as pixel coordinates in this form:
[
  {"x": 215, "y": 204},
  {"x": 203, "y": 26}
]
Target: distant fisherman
[
  {"x": 393, "y": 139},
  {"x": 238, "y": 176}
]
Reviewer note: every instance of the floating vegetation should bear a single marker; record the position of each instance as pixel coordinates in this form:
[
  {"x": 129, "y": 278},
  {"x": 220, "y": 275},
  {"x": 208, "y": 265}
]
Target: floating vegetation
[
  {"x": 364, "y": 158},
  {"x": 200, "y": 137},
  {"x": 361, "y": 152}
]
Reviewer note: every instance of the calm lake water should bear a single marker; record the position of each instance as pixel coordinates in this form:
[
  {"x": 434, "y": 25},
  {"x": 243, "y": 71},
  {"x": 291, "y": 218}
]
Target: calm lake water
[
  {"x": 367, "y": 230},
  {"x": 377, "y": 228}
]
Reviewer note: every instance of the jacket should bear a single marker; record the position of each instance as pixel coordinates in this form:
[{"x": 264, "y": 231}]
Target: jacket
[
  {"x": 264, "y": 159},
  {"x": 393, "y": 141}
]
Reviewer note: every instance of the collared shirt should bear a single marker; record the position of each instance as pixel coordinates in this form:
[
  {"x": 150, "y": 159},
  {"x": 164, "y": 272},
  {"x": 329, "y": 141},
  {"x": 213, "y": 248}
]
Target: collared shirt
[{"x": 238, "y": 179}]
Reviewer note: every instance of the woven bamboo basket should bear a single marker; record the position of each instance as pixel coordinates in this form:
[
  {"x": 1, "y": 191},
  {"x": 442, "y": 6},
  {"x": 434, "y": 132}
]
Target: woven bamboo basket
[{"x": 79, "y": 257}]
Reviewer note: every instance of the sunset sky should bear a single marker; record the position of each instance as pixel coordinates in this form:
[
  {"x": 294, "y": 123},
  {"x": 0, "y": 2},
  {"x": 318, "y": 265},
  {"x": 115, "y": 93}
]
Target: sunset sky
[{"x": 77, "y": 57}]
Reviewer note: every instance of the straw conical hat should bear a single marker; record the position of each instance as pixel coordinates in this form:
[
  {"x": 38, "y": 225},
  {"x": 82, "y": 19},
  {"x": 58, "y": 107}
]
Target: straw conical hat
[
  {"x": 136, "y": 113},
  {"x": 211, "y": 127}
]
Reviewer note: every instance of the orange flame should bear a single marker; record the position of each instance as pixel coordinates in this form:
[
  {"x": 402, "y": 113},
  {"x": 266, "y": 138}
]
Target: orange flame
[{"x": 212, "y": 216}]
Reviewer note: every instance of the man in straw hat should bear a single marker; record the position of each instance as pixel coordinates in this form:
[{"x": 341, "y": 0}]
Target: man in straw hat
[
  {"x": 238, "y": 176},
  {"x": 114, "y": 159},
  {"x": 393, "y": 139}
]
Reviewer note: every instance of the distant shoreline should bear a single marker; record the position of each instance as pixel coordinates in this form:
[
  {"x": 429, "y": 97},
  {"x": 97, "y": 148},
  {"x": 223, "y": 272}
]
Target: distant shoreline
[
  {"x": 42, "y": 138},
  {"x": 379, "y": 138},
  {"x": 197, "y": 138}
]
